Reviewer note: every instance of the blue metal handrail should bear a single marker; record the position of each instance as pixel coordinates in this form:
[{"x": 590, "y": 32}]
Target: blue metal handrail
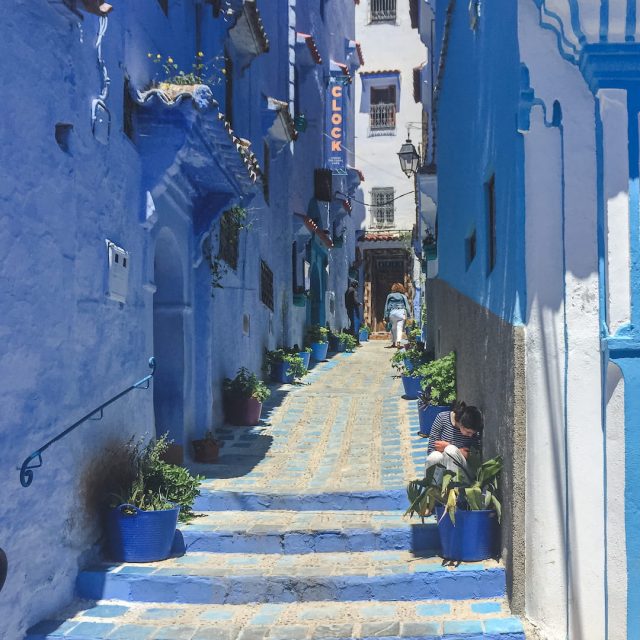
[{"x": 26, "y": 470}]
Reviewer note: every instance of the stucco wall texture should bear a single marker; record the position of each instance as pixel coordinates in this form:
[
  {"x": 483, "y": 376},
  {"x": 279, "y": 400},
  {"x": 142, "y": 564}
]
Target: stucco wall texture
[
  {"x": 66, "y": 347},
  {"x": 490, "y": 366}
]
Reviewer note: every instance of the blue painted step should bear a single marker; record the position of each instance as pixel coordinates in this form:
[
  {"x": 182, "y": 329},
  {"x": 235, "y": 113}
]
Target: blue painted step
[
  {"x": 136, "y": 584},
  {"x": 390, "y": 500},
  {"x": 421, "y": 538}
]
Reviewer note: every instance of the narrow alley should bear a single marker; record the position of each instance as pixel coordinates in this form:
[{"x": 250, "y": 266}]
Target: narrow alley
[{"x": 308, "y": 540}]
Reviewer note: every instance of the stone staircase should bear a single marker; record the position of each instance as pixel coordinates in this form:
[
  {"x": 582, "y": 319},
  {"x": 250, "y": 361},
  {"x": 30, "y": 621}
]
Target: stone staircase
[{"x": 286, "y": 551}]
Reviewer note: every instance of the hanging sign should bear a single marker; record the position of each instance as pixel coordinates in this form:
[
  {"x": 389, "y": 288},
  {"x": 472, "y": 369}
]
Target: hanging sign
[{"x": 335, "y": 156}]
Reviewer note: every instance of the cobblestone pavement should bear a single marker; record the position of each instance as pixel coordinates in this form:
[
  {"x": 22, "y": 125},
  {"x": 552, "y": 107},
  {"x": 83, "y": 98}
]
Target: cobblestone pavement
[{"x": 301, "y": 534}]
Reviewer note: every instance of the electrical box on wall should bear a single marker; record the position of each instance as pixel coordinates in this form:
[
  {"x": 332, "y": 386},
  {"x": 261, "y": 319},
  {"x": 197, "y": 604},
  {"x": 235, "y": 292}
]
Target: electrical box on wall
[{"x": 118, "y": 275}]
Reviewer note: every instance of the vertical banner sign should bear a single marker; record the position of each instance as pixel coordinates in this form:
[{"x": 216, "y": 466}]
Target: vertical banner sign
[{"x": 335, "y": 157}]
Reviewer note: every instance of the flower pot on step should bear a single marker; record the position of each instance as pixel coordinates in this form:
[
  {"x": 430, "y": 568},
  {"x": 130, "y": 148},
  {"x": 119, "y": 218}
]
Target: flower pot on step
[
  {"x": 279, "y": 373},
  {"x": 306, "y": 358},
  {"x": 205, "y": 451},
  {"x": 363, "y": 335},
  {"x": 319, "y": 351},
  {"x": 475, "y": 535},
  {"x": 241, "y": 410},
  {"x": 411, "y": 386},
  {"x": 134, "y": 535}
]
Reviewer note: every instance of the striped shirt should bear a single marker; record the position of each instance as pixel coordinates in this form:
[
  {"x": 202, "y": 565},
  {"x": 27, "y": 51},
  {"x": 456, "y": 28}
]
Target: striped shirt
[{"x": 442, "y": 429}]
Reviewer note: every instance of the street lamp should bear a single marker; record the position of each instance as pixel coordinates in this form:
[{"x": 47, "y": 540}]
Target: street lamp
[{"x": 409, "y": 158}]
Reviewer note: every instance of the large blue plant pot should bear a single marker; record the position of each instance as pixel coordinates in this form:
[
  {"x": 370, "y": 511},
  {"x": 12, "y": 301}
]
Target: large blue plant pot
[
  {"x": 134, "y": 535},
  {"x": 319, "y": 351},
  {"x": 306, "y": 358},
  {"x": 475, "y": 535},
  {"x": 408, "y": 365},
  {"x": 279, "y": 373},
  {"x": 363, "y": 336},
  {"x": 427, "y": 416},
  {"x": 411, "y": 387}
]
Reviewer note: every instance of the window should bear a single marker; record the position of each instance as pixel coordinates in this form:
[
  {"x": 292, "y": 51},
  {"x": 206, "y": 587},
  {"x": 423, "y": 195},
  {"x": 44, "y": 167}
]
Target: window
[
  {"x": 383, "y": 10},
  {"x": 228, "y": 89},
  {"x": 129, "y": 108},
  {"x": 382, "y": 209},
  {"x": 470, "y": 248},
  {"x": 266, "y": 285},
  {"x": 229, "y": 239},
  {"x": 164, "y": 5},
  {"x": 266, "y": 162},
  {"x": 382, "y": 109},
  {"x": 490, "y": 194}
]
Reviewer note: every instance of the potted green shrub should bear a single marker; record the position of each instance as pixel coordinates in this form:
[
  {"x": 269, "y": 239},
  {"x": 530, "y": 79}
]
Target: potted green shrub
[
  {"x": 305, "y": 354},
  {"x": 243, "y": 396},
  {"x": 318, "y": 340},
  {"x": 438, "y": 382},
  {"x": 466, "y": 505},
  {"x": 363, "y": 333},
  {"x": 205, "y": 450},
  {"x": 344, "y": 342},
  {"x": 153, "y": 495},
  {"x": 285, "y": 365}
]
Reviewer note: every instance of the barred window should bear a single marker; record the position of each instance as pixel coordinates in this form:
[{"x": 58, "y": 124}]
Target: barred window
[
  {"x": 229, "y": 239},
  {"x": 383, "y": 10},
  {"x": 382, "y": 109},
  {"x": 266, "y": 285},
  {"x": 382, "y": 210}
]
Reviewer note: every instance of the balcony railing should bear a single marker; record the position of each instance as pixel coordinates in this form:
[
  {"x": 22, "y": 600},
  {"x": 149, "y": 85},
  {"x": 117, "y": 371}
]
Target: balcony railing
[
  {"x": 382, "y": 119},
  {"x": 383, "y": 10}
]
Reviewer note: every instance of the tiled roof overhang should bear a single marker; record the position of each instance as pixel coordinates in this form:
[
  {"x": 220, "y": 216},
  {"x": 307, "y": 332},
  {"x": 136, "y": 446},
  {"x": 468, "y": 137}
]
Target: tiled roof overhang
[
  {"x": 248, "y": 34},
  {"x": 314, "y": 229},
  {"x": 381, "y": 72},
  {"x": 278, "y": 123},
  {"x": 340, "y": 67},
  {"x": 306, "y": 40}
]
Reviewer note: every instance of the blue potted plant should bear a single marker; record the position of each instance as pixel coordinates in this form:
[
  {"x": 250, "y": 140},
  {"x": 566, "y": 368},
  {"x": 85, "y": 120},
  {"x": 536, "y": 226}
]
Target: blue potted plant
[
  {"x": 144, "y": 510},
  {"x": 438, "y": 390},
  {"x": 363, "y": 333},
  {"x": 318, "y": 340},
  {"x": 466, "y": 505},
  {"x": 285, "y": 365}
]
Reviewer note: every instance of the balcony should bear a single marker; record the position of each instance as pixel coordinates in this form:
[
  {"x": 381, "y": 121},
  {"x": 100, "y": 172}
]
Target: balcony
[{"x": 382, "y": 119}]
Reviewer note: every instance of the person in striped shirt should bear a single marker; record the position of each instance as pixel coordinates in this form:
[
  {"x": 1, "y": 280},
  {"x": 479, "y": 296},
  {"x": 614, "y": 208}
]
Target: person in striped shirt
[{"x": 453, "y": 435}]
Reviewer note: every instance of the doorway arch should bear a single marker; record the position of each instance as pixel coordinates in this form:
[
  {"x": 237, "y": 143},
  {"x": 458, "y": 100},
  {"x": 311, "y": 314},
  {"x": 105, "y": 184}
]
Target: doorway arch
[{"x": 169, "y": 339}]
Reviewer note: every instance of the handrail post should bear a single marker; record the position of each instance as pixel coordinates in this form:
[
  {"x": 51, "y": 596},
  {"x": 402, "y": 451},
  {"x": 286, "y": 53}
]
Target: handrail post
[{"x": 26, "y": 469}]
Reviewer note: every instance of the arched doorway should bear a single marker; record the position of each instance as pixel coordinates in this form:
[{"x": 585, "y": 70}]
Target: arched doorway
[
  {"x": 168, "y": 342},
  {"x": 316, "y": 296}
]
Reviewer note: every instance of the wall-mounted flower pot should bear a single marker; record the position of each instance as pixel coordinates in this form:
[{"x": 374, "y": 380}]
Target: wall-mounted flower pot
[
  {"x": 363, "y": 335},
  {"x": 306, "y": 358},
  {"x": 319, "y": 351},
  {"x": 411, "y": 387},
  {"x": 426, "y": 417},
  {"x": 475, "y": 535},
  {"x": 279, "y": 373},
  {"x": 205, "y": 451},
  {"x": 241, "y": 410},
  {"x": 134, "y": 535}
]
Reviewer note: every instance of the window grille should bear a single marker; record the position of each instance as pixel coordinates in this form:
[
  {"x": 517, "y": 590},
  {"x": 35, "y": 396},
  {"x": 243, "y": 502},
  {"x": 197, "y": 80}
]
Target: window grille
[
  {"x": 382, "y": 210},
  {"x": 266, "y": 285},
  {"x": 382, "y": 110},
  {"x": 229, "y": 240},
  {"x": 383, "y": 10}
]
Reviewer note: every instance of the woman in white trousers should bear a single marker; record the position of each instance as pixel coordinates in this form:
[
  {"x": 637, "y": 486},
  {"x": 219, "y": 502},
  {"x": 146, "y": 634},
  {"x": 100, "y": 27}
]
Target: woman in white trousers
[{"x": 396, "y": 312}]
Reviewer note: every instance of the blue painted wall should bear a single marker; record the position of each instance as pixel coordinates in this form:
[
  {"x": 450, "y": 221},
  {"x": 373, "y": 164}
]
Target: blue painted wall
[
  {"x": 477, "y": 138},
  {"x": 66, "y": 346}
]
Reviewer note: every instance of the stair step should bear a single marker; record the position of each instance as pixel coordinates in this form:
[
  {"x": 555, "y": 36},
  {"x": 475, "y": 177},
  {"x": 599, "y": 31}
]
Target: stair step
[
  {"x": 217, "y": 500},
  {"x": 291, "y": 532},
  {"x": 119, "y": 620},
  {"x": 243, "y": 578}
]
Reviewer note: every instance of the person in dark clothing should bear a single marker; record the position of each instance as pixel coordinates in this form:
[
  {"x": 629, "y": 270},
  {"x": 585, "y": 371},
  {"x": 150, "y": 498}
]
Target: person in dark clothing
[{"x": 353, "y": 305}]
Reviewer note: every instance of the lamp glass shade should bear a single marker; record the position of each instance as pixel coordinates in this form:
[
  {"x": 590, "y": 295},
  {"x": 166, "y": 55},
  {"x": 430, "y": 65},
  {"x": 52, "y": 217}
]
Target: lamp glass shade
[{"x": 409, "y": 158}]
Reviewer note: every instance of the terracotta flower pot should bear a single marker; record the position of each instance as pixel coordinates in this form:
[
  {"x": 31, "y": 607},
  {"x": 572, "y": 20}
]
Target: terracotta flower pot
[
  {"x": 242, "y": 411},
  {"x": 205, "y": 451}
]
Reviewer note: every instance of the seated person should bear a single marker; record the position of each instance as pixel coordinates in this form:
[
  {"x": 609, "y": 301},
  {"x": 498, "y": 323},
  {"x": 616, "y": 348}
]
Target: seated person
[{"x": 453, "y": 434}]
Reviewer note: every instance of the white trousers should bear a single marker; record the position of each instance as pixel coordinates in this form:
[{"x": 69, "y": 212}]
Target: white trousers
[
  {"x": 397, "y": 318},
  {"x": 446, "y": 458}
]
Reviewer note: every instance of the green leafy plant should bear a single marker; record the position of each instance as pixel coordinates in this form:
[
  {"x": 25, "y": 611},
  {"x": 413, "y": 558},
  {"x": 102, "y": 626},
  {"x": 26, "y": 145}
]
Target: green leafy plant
[
  {"x": 365, "y": 327},
  {"x": 295, "y": 363},
  {"x": 414, "y": 356},
  {"x": 317, "y": 333},
  {"x": 474, "y": 488},
  {"x": 152, "y": 484},
  {"x": 202, "y": 71},
  {"x": 246, "y": 384},
  {"x": 439, "y": 380},
  {"x": 349, "y": 341}
]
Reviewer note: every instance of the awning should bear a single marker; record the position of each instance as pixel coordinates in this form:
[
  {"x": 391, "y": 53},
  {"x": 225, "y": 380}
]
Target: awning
[
  {"x": 315, "y": 230},
  {"x": 382, "y": 78},
  {"x": 306, "y": 43},
  {"x": 339, "y": 68},
  {"x": 354, "y": 53},
  {"x": 277, "y": 123},
  {"x": 248, "y": 35}
]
